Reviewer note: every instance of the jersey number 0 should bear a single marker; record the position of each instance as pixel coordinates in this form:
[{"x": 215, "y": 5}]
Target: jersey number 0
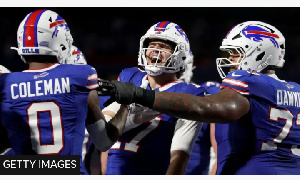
[{"x": 46, "y": 133}]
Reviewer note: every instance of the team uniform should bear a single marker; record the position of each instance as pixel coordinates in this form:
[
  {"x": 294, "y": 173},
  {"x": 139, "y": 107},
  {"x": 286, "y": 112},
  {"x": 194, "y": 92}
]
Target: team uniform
[
  {"x": 273, "y": 123},
  {"x": 4, "y": 145},
  {"x": 200, "y": 157},
  {"x": 145, "y": 149},
  {"x": 45, "y": 109},
  {"x": 235, "y": 142}
]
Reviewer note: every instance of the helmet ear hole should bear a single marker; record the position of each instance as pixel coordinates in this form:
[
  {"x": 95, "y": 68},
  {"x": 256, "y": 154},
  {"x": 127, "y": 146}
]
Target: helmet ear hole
[
  {"x": 63, "y": 47},
  {"x": 260, "y": 56},
  {"x": 177, "y": 47},
  {"x": 51, "y": 35}
]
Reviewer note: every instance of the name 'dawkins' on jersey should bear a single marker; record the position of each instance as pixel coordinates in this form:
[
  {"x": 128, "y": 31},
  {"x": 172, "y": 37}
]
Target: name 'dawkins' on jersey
[
  {"x": 288, "y": 98},
  {"x": 40, "y": 88}
]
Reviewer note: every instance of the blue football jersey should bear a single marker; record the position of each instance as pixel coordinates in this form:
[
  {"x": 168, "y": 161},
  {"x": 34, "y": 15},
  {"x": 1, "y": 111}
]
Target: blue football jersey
[
  {"x": 146, "y": 148},
  {"x": 199, "y": 161},
  {"x": 235, "y": 142},
  {"x": 273, "y": 122},
  {"x": 44, "y": 110}
]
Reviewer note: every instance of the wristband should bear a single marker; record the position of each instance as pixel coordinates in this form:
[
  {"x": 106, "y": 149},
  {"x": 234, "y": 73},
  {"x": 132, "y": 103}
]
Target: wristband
[{"x": 144, "y": 97}]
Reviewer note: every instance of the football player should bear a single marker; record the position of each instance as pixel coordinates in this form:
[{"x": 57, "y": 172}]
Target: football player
[
  {"x": 45, "y": 106},
  {"x": 144, "y": 147},
  {"x": 88, "y": 148},
  {"x": 264, "y": 108},
  {"x": 4, "y": 145},
  {"x": 201, "y": 157},
  {"x": 202, "y": 160}
]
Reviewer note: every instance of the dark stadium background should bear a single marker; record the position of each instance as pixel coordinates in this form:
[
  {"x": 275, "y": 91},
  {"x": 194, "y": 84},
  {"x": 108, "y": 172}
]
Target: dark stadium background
[{"x": 109, "y": 37}]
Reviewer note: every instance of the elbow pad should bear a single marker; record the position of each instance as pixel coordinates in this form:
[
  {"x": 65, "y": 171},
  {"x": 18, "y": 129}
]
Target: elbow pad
[{"x": 98, "y": 134}]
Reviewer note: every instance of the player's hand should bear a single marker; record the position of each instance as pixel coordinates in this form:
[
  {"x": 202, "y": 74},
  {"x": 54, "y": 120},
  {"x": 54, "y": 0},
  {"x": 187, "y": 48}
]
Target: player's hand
[
  {"x": 123, "y": 93},
  {"x": 105, "y": 88}
]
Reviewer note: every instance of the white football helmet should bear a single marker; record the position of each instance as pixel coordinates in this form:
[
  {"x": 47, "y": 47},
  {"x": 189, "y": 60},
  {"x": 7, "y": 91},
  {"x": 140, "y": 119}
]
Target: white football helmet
[
  {"x": 258, "y": 44},
  {"x": 3, "y": 70},
  {"x": 188, "y": 68},
  {"x": 166, "y": 31},
  {"x": 44, "y": 32},
  {"x": 76, "y": 57}
]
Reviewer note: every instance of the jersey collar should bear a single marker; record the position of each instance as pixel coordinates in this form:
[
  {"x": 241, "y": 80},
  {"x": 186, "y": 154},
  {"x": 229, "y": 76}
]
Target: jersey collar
[{"x": 52, "y": 66}]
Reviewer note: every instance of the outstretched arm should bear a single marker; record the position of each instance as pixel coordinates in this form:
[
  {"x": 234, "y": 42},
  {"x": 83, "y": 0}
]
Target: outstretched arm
[{"x": 223, "y": 107}]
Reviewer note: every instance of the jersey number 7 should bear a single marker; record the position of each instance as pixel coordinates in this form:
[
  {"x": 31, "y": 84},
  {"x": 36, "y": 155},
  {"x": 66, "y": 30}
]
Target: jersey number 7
[{"x": 132, "y": 146}]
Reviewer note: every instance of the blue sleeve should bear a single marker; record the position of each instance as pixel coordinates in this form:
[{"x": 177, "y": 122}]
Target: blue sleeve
[
  {"x": 92, "y": 78},
  {"x": 85, "y": 76},
  {"x": 127, "y": 74},
  {"x": 2, "y": 82},
  {"x": 211, "y": 87},
  {"x": 194, "y": 89}
]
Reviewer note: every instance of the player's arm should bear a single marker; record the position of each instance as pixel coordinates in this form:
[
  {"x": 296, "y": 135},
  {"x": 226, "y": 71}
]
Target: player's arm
[
  {"x": 214, "y": 146},
  {"x": 223, "y": 107},
  {"x": 178, "y": 163},
  {"x": 185, "y": 135},
  {"x": 103, "y": 161},
  {"x": 102, "y": 133},
  {"x": 133, "y": 120}
]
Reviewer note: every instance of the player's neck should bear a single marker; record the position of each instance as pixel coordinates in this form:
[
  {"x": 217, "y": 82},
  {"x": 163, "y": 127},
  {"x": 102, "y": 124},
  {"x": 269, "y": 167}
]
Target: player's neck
[
  {"x": 38, "y": 65},
  {"x": 158, "y": 81},
  {"x": 268, "y": 71}
]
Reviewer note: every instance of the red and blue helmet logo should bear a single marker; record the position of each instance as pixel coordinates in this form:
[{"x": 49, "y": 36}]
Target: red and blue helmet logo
[
  {"x": 258, "y": 34},
  {"x": 182, "y": 33},
  {"x": 30, "y": 38},
  {"x": 161, "y": 26},
  {"x": 77, "y": 52}
]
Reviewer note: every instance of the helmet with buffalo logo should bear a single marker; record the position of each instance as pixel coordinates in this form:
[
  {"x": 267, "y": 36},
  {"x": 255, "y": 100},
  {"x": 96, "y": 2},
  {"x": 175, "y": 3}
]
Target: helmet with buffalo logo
[
  {"x": 76, "y": 57},
  {"x": 44, "y": 32},
  {"x": 258, "y": 44},
  {"x": 170, "y": 32}
]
